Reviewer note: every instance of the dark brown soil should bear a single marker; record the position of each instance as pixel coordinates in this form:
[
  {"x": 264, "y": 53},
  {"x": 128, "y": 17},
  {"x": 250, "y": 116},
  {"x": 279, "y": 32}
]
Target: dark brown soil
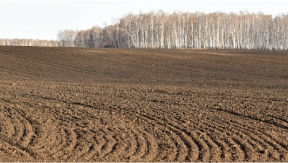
[{"x": 73, "y": 104}]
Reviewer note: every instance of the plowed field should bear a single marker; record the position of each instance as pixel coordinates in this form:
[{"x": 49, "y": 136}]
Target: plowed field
[{"x": 73, "y": 104}]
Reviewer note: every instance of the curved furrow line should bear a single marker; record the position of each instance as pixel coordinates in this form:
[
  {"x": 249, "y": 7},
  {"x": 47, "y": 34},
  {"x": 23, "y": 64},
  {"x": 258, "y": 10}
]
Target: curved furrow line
[
  {"x": 214, "y": 148},
  {"x": 106, "y": 155},
  {"x": 152, "y": 147},
  {"x": 141, "y": 146},
  {"x": 69, "y": 157},
  {"x": 246, "y": 143},
  {"x": 22, "y": 131},
  {"x": 250, "y": 146},
  {"x": 262, "y": 138},
  {"x": 99, "y": 144},
  {"x": 28, "y": 135},
  {"x": 82, "y": 147},
  {"x": 82, "y": 150},
  {"x": 280, "y": 120},
  {"x": 204, "y": 153},
  {"x": 92, "y": 151},
  {"x": 57, "y": 143},
  {"x": 46, "y": 140},
  {"x": 182, "y": 148},
  {"x": 249, "y": 143},
  {"x": 59, "y": 153},
  {"x": 117, "y": 149},
  {"x": 159, "y": 125},
  {"x": 95, "y": 146},
  {"x": 24, "y": 135},
  {"x": 269, "y": 139},
  {"x": 186, "y": 143},
  {"x": 187, "y": 140},
  {"x": 262, "y": 147},
  {"x": 170, "y": 143},
  {"x": 278, "y": 143},
  {"x": 223, "y": 154},
  {"x": 237, "y": 153},
  {"x": 183, "y": 135},
  {"x": 11, "y": 150},
  {"x": 88, "y": 151},
  {"x": 186, "y": 137},
  {"x": 132, "y": 145},
  {"x": 18, "y": 131},
  {"x": 71, "y": 145},
  {"x": 250, "y": 117},
  {"x": 173, "y": 125},
  {"x": 57, "y": 149},
  {"x": 109, "y": 145},
  {"x": 271, "y": 147},
  {"x": 150, "y": 144},
  {"x": 8, "y": 126},
  {"x": 138, "y": 148},
  {"x": 15, "y": 124},
  {"x": 31, "y": 154},
  {"x": 146, "y": 146},
  {"x": 241, "y": 146},
  {"x": 68, "y": 144},
  {"x": 35, "y": 137},
  {"x": 193, "y": 148}
]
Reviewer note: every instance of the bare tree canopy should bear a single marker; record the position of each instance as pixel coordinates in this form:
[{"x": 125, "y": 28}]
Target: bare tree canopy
[
  {"x": 180, "y": 30},
  {"x": 29, "y": 42}
]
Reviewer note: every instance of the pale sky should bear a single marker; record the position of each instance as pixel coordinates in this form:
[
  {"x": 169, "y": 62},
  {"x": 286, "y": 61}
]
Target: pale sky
[{"x": 42, "y": 19}]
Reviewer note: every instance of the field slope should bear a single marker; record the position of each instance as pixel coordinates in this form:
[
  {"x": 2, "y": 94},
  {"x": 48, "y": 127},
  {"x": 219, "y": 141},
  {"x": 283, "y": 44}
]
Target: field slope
[{"x": 73, "y": 104}]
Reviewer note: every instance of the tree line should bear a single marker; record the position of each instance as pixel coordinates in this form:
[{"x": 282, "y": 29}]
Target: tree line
[
  {"x": 29, "y": 42},
  {"x": 186, "y": 30},
  {"x": 183, "y": 30}
]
